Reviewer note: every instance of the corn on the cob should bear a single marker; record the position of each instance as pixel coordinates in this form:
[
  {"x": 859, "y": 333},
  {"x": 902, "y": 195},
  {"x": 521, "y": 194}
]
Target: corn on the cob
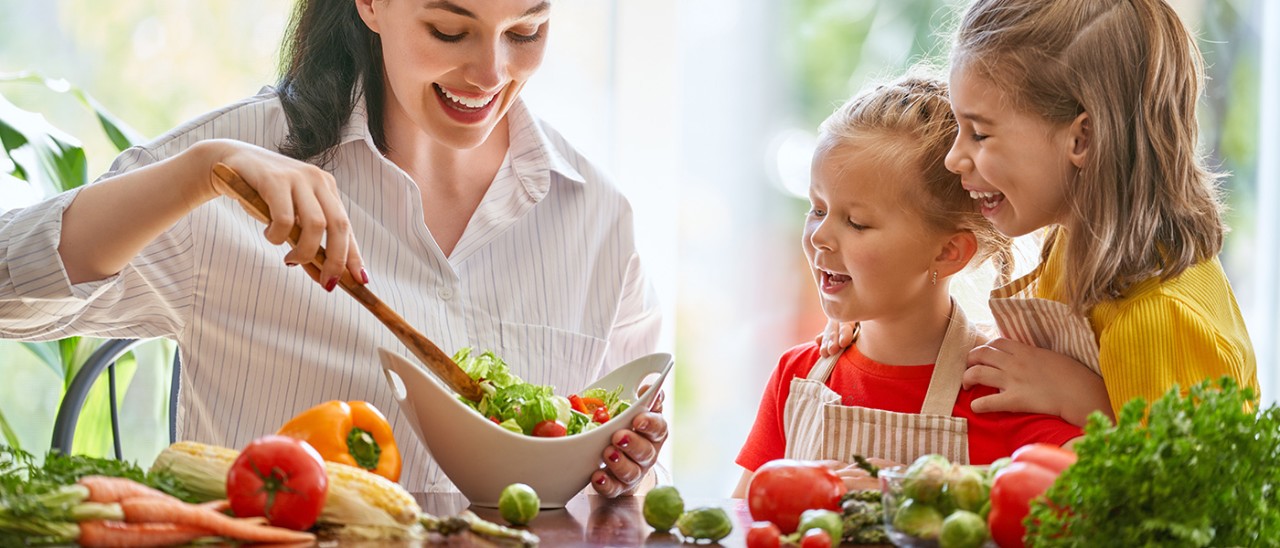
[
  {"x": 349, "y": 484},
  {"x": 356, "y": 497},
  {"x": 201, "y": 468}
]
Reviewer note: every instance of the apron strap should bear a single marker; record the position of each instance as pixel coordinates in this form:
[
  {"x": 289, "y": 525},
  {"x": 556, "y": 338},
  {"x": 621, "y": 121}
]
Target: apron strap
[{"x": 948, "y": 370}]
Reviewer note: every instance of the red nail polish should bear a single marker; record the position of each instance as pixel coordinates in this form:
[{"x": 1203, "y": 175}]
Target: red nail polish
[
  {"x": 332, "y": 283},
  {"x": 613, "y": 456},
  {"x": 600, "y": 480},
  {"x": 364, "y": 276},
  {"x": 625, "y": 441}
]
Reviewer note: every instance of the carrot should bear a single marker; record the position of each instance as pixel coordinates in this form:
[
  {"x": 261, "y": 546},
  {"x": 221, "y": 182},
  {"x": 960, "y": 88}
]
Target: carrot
[
  {"x": 121, "y": 534},
  {"x": 220, "y": 506},
  {"x": 108, "y": 489},
  {"x": 153, "y": 510}
]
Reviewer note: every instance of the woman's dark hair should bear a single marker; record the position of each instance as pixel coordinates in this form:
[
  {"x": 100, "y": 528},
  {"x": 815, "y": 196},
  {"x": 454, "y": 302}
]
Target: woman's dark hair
[{"x": 327, "y": 50}]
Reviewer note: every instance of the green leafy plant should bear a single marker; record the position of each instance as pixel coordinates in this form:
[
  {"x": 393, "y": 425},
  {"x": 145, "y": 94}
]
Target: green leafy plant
[
  {"x": 1198, "y": 471},
  {"x": 39, "y": 154}
]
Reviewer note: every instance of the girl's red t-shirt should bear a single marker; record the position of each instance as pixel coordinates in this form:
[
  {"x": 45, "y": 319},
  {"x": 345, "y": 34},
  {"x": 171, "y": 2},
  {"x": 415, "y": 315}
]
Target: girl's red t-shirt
[{"x": 865, "y": 383}]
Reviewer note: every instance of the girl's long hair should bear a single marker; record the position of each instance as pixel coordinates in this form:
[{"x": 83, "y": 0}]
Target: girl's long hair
[
  {"x": 329, "y": 59},
  {"x": 910, "y": 120},
  {"x": 1144, "y": 204}
]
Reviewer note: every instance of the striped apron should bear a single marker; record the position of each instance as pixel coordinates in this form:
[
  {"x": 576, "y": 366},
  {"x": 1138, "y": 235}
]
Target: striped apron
[
  {"x": 818, "y": 427},
  {"x": 1043, "y": 323}
]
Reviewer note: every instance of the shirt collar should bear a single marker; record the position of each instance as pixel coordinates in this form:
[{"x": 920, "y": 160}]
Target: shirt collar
[{"x": 533, "y": 153}]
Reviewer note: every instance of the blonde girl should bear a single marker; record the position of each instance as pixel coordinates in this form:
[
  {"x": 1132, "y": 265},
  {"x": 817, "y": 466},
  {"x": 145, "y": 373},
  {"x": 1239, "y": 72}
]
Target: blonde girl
[
  {"x": 1079, "y": 117},
  {"x": 888, "y": 228}
]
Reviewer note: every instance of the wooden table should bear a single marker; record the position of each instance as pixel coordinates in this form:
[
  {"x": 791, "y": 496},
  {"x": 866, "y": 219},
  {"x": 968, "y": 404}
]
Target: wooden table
[{"x": 590, "y": 520}]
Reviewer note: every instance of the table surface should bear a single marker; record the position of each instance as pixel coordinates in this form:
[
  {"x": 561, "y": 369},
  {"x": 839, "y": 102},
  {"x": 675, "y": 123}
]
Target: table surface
[{"x": 588, "y": 520}]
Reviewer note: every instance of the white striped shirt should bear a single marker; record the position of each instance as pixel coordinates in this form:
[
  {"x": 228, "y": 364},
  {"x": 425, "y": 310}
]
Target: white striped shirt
[{"x": 546, "y": 274}]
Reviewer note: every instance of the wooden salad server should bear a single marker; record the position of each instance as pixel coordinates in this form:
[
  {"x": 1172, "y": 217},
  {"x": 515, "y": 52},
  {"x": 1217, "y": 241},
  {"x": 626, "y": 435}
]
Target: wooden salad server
[{"x": 435, "y": 359}]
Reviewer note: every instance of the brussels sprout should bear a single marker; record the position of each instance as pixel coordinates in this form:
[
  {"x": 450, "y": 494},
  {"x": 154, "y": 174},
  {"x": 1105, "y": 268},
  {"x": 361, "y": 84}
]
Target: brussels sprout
[
  {"x": 662, "y": 507},
  {"x": 965, "y": 489},
  {"x": 925, "y": 477},
  {"x": 822, "y": 519},
  {"x": 918, "y": 520},
  {"x": 518, "y": 504},
  {"x": 709, "y": 522},
  {"x": 996, "y": 467},
  {"x": 963, "y": 529}
]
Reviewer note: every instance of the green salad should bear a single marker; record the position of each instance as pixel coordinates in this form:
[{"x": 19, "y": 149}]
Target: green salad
[{"x": 531, "y": 409}]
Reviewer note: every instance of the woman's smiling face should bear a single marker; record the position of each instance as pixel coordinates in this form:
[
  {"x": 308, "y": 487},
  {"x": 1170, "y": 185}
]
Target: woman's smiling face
[{"x": 454, "y": 67}]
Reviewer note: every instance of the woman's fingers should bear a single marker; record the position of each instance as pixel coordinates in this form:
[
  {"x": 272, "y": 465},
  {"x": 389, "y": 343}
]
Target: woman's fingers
[
  {"x": 652, "y": 426},
  {"x": 311, "y": 224},
  {"x": 355, "y": 262},
  {"x": 338, "y": 235},
  {"x": 625, "y": 463},
  {"x": 303, "y": 196}
]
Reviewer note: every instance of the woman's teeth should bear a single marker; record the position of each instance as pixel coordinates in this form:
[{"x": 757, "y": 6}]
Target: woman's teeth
[
  {"x": 834, "y": 278},
  {"x": 479, "y": 102}
]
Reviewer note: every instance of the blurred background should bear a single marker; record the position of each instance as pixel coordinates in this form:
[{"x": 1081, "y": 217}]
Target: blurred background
[{"x": 703, "y": 110}]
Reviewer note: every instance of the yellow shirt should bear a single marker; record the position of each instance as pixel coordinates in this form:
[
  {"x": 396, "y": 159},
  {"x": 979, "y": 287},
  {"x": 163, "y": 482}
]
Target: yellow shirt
[{"x": 1181, "y": 331}]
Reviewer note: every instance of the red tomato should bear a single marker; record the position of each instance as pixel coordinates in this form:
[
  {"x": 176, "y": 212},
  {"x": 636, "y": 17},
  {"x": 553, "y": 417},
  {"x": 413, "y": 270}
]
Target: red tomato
[
  {"x": 1012, "y": 491},
  {"x": 763, "y": 534},
  {"x": 815, "y": 538},
  {"x": 601, "y": 415},
  {"x": 783, "y": 489},
  {"x": 549, "y": 429},
  {"x": 1049, "y": 456},
  {"x": 280, "y": 478}
]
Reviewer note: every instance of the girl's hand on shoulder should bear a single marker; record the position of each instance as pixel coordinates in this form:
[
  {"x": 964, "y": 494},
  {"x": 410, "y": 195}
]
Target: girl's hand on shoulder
[
  {"x": 632, "y": 453},
  {"x": 834, "y": 338},
  {"x": 1034, "y": 380},
  {"x": 299, "y": 195}
]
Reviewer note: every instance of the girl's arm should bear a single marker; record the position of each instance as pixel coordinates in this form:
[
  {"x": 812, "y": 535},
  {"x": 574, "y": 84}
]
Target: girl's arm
[
  {"x": 1035, "y": 380},
  {"x": 740, "y": 492},
  {"x": 94, "y": 243}
]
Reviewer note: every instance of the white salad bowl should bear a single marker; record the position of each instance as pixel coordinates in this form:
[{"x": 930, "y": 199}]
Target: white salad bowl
[{"x": 482, "y": 458}]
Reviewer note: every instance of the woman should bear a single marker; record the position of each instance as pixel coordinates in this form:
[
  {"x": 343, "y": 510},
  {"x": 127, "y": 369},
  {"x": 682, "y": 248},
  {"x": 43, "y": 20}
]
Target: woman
[{"x": 396, "y": 138}]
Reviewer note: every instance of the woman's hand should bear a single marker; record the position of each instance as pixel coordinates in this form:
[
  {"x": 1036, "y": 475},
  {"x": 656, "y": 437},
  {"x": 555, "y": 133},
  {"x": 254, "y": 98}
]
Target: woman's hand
[
  {"x": 632, "y": 453},
  {"x": 1035, "y": 380},
  {"x": 834, "y": 338},
  {"x": 299, "y": 195}
]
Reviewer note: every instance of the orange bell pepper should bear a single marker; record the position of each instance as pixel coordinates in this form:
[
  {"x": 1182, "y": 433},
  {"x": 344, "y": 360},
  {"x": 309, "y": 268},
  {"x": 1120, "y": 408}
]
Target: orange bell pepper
[{"x": 353, "y": 433}]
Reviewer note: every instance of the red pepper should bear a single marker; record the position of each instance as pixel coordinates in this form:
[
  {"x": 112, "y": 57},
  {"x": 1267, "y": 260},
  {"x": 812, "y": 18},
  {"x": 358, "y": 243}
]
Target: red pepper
[
  {"x": 591, "y": 404},
  {"x": 1033, "y": 470},
  {"x": 575, "y": 401}
]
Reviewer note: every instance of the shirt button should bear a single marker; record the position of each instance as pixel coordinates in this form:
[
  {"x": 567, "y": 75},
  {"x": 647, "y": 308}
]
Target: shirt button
[{"x": 445, "y": 293}]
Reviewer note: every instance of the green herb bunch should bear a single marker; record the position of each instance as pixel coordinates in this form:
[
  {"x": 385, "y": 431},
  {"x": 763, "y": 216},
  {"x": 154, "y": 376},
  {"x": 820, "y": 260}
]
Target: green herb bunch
[
  {"x": 1202, "y": 471},
  {"x": 41, "y": 502}
]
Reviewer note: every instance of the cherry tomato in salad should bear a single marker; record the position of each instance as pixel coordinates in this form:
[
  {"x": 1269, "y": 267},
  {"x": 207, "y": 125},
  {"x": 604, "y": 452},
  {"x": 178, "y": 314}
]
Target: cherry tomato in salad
[
  {"x": 280, "y": 478},
  {"x": 600, "y": 415},
  {"x": 549, "y": 429}
]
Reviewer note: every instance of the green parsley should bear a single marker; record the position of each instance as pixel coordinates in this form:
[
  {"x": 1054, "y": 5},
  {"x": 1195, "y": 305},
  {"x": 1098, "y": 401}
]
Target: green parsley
[{"x": 1201, "y": 471}]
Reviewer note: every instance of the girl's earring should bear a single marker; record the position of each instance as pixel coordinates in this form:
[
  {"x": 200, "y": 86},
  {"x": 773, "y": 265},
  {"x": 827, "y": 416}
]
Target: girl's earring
[{"x": 935, "y": 277}]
